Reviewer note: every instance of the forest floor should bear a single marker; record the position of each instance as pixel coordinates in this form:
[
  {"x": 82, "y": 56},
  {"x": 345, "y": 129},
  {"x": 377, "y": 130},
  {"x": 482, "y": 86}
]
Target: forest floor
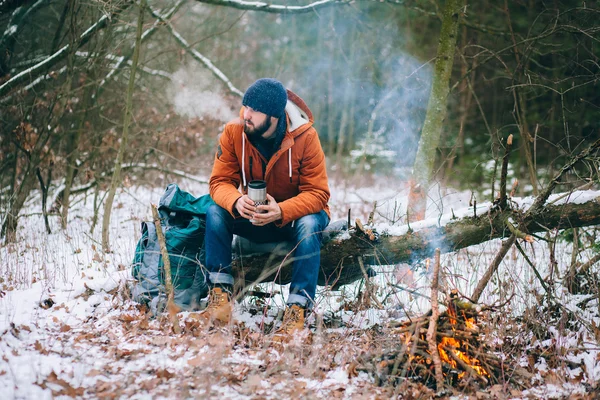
[{"x": 68, "y": 328}]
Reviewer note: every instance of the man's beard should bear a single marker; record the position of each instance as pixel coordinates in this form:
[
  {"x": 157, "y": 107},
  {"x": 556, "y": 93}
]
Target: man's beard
[{"x": 257, "y": 131}]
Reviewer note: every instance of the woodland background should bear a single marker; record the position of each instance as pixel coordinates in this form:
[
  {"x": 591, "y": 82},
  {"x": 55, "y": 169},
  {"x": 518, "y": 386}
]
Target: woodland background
[
  {"x": 116, "y": 98},
  {"x": 525, "y": 68}
]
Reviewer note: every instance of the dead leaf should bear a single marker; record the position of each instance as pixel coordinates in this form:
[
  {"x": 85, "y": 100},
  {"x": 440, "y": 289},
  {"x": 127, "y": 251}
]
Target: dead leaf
[
  {"x": 88, "y": 291},
  {"x": 127, "y": 317},
  {"x": 164, "y": 374},
  {"x": 38, "y": 346},
  {"x": 123, "y": 353},
  {"x": 67, "y": 389},
  {"x": 197, "y": 361},
  {"x": 144, "y": 324},
  {"x": 150, "y": 384},
  {"x": 93, "y": 372},
  {"x": 254, "y": 381},
  {"x": 352, "y": 372}
]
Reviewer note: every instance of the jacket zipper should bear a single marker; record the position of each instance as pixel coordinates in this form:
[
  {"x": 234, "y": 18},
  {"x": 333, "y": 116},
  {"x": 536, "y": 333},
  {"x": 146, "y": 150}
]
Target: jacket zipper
[{"x": 251, "y": 174}]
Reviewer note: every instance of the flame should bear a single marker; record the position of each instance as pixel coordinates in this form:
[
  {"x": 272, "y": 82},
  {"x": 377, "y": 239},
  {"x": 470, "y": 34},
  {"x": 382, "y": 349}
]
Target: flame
[
  {"x": 454, "y": 352},
  {"x": 470, "y": 324},
  {"x": 456, "y": 345}
]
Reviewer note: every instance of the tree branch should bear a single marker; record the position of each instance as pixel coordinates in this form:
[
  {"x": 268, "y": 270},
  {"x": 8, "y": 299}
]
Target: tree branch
[
  {"x": 199, "y": 57},
  {"x": 543, "y": 197},
  {"x": 40, "y": 68},
  {"x": 492, "y": 268},
  {"x": 148, "y": 33}
]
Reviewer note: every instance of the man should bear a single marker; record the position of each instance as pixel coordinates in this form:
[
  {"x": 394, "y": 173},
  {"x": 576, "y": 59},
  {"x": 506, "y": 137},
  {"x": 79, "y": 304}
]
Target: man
[{"x": 274, "y": 141}]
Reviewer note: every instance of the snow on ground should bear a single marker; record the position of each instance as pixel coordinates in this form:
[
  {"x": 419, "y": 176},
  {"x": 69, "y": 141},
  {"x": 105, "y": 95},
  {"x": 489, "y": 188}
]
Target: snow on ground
[{"x": 68, "y": 328}]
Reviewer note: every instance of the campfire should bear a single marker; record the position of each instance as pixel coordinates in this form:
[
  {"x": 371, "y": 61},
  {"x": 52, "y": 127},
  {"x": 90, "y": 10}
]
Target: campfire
[{"x": 463, "y": 356}]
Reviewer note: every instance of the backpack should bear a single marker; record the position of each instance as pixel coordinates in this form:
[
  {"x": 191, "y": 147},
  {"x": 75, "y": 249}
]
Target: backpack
[{"x": 183, "y": 224}]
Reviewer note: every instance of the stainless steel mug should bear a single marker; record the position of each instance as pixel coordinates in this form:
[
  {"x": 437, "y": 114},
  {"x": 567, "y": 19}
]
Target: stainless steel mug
[{"x": 257, "y": 192}]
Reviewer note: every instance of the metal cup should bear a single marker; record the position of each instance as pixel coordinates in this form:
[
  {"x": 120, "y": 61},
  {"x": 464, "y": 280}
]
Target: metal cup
[{"x": 257, "y": 192}]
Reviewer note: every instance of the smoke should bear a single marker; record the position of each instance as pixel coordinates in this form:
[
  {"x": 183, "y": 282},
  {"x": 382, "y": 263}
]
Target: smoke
[
  {"x": 366, "y": 79},
  {"x": 194, "y": 92},
  {"x": 404, "y": 106}
]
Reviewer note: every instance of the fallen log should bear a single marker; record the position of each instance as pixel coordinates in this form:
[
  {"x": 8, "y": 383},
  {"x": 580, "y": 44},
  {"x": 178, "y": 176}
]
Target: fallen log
[{"x": 340, "y": 263}]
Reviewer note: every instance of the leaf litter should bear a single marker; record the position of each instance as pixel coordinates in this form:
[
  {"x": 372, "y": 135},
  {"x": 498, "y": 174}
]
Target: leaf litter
[{"x": 74, "y": 333}]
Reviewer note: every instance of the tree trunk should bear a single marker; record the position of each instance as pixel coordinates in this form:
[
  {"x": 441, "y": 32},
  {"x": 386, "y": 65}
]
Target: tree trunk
[
  {"x": 9, "y": 227},
  {"x": 34, "y": 158},
  {"x": 340, "y": 258},
  {"x": 436, "y": 112},
  {"x": 116, "y": 178}
]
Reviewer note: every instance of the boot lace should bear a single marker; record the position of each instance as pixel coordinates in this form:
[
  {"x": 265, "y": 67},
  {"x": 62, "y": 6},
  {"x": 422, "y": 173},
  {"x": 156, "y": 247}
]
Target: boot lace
[
  {"x": 290, "y": 319},
  {"x": 217, "y": 298}
]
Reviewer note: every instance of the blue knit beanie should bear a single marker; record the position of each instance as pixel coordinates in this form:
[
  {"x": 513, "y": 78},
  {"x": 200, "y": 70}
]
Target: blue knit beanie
[{"x": 267, "y": 96}]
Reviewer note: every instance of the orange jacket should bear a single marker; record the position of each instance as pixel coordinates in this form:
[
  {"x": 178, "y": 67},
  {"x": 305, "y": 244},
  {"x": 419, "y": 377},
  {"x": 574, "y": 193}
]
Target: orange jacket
[{"x": 296, "y": 175}]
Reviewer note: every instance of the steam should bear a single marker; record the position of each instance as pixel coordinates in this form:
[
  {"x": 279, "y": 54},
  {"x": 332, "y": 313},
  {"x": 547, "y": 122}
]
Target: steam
[{"x": 194, "y": 92}]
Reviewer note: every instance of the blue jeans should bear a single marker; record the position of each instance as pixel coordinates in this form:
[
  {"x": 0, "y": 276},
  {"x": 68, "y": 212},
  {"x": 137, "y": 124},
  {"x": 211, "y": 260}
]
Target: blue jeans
[{"x": 305, "y": 231}]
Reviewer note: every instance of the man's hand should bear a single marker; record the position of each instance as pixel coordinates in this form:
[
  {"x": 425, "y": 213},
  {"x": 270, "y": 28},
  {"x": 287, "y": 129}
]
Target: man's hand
[
  {"x": 268, "y": 213},
  {"x": 245, "y": 207}
]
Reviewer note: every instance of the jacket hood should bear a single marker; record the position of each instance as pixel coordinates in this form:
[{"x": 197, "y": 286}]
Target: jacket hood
[{"x": 300, "y": 118}]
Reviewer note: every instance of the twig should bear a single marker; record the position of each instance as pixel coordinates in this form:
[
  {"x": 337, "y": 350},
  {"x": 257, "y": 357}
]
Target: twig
[
  {"x": 585, "y": 267},
  {"x": 148, "y": 33},
  {"x": 415, "y": 338},
  {"x": 401, "y": 354},
  {"x": 197, "y": 56},
  {"x": 368, "y": 285},
  {"x": 167, "y": 267},
  {"x": 517, "y": 233},
  {"x": 43, "y": 66},
  {"x": 349, "y": 220},
  {"x": 44, "y": 188},
  {"x": 464, "y": 365},
  {"x": 535, "y": 271},
  {"x": 431, "y": 331},
  {"x": 541, "y": 199},
  {"x": 504, "y": 172},
  {"x": 492, "y": 268},
  {"x": 370, "y": 219}
]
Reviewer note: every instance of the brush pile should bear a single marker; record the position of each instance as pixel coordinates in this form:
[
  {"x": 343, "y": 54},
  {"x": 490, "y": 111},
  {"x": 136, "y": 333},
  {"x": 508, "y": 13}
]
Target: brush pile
[{"x": 465, "y": 358}]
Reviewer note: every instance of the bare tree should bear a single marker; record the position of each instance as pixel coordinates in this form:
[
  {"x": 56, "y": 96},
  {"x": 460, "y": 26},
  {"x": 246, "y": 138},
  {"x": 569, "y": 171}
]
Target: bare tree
[
  {"x": 116, "y": 178},
  {"x": 436, "y": 111}
]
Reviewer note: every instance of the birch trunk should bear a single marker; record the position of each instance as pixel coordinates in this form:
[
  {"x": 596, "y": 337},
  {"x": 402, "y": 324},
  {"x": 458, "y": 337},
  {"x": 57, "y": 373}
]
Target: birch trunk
[{"x": 436, "y": 112}]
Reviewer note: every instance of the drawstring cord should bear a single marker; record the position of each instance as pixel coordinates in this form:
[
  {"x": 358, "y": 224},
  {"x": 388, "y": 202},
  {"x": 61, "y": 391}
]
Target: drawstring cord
[
  {"x": 290, "y": 163},
  {"x": 244, "y": 159}
]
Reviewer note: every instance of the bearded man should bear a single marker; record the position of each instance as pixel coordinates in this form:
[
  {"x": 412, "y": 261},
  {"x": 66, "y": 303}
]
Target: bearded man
[{"x": 273, "y": 140}]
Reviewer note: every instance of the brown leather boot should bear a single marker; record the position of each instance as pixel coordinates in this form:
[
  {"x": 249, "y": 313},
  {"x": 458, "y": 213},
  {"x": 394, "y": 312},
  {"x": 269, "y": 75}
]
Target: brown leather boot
[
  {"x": 219, "y": 307},
  {"x": 293, "y": 321}
]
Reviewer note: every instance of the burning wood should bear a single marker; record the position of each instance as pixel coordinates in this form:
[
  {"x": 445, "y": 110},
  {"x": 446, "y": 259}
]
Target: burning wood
[{"x": 464, "y": 357}]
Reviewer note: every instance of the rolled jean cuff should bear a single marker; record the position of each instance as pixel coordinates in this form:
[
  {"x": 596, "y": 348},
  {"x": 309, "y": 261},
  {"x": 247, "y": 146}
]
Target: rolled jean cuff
[
  {"x": 297, "y": 299},
  {"x": 217, "y": 278}
]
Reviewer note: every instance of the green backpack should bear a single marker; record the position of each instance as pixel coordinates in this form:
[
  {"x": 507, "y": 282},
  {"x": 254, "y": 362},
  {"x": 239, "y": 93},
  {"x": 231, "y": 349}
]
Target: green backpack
[{"x": 183, "y": 224}]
